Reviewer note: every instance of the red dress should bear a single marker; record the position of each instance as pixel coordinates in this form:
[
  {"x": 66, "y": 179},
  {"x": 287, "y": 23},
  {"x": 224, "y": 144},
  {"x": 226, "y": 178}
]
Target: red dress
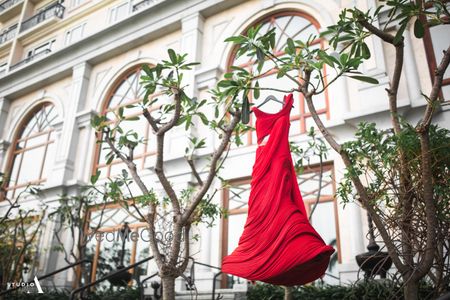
[{"x": 278, "y": 245}]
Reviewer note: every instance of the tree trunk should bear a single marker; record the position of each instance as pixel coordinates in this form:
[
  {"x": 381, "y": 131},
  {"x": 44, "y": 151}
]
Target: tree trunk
[
  {"x": 168, "y": 288},
  {"x": 411, "y": 290},
  {"x": 288, "y": 293}
]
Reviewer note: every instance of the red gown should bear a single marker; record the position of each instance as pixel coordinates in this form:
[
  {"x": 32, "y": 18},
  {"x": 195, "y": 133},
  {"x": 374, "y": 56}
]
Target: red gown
[{"x": 278, "y": 245}]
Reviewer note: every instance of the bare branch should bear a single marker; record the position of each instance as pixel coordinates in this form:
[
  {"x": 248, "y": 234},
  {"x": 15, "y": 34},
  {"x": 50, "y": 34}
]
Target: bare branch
[
  {"x": 132, "y": 168},
  {"x": 308, "y": 97},
  {"x": 194, "y": 170},
  {"x": 387, "y": 37},
  {"x": 150, "y": 120},
  {"x": 183, "y": 266},
  {"x": 130, "y": 164},
  {"x": 434, "y": 94},
  {"x": 212, "y": 168},
  {"x": 427, "y": 178},
  {"x": 356, "y": 181},
  {"x": 160, "y": 135}
]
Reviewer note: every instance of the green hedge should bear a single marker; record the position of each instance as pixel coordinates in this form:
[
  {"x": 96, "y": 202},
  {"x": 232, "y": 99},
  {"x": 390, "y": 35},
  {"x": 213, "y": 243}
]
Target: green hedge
[
  {"x": 371, "y": 290},
  {"x": 123, "y": 294}
]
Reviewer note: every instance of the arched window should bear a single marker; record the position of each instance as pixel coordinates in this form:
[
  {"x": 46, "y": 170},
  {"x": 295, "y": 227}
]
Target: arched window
[
  {"x": 33, "y": 150},
  {"x": 288, "y": 24},
  {"x": 123, "y": 94}
]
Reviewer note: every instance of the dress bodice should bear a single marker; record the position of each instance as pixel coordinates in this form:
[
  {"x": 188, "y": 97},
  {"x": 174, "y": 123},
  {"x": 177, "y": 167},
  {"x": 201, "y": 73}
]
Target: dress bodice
[{"x": 265, "y": 121}]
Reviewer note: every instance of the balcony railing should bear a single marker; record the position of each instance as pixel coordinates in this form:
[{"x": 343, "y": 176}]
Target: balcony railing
[
  {"x": 8, "y": 34},
  {"x": 8, "y": 3},
  {"x": 29, "y": 58},
  {"x": 53, "y": 10},
  {"x": 144, "y": 3}
]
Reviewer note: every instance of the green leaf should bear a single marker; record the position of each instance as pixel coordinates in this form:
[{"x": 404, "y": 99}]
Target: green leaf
[
  {"x": 326, "y": 58},
  {"x": 272, "y": 40},
  {"x": 236, "y": 39},
  {"x": 399, "y": 36},
  {"x": 133, "y": 118},
  {"x": 260, "y": 55},
  {"x": 226, "y": 83},
  {"x": 203, "y": 118},
  {"x": 147, "y": 70},
  {"x": 172, "y": 55},
  {"x": 188, "y": 122},
  {"x": 365, "y": 79},
  {"x": 290, "y": 46},
  {"x": 419, "y": 30},
  {"x": 256, "y": 91},
  {"x": 365, "y": 51},
  {"x": 95, "y": 177},
  {"x": 343, "y": 59},
  {"x": 281, "y": 72},
  {"x": 216, "y": 112},
  {"x": 158, "y": 69},
  {"x": 245, "y": 109}
]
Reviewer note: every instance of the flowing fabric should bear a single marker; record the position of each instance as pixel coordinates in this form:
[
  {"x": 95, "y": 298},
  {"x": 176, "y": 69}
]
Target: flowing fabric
[{"x": 278, "y": 244}]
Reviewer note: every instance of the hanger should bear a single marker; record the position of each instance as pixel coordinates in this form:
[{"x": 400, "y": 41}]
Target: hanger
[{"x": 269, "y": 98}]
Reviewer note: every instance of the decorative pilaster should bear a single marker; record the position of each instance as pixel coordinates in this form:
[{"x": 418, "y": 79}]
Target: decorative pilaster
[
  {"x": 5, "y": 104},
  {"x": 191, "y": 43},
  {"x": 64, "y": 162},
  {"x": 411, "y": 73},
  {"x": 4, "y": 145}
]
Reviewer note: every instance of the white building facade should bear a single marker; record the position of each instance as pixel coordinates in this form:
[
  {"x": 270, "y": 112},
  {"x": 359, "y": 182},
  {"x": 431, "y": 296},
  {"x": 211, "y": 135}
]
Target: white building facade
[{"x": 84, "y": 58}]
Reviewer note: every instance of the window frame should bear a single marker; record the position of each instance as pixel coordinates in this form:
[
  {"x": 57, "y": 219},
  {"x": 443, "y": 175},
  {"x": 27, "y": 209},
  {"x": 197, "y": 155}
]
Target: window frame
[
  {"x": 104, "y": 110},
  {"x": 299, "y": 101},
  {"x": 68, "y": 36},
  {"x": 41, "y": 47},
  {"x": 14, "y": 152},
  {"x": 134, "y": 227},
  {"x": 113, "y": 15}
]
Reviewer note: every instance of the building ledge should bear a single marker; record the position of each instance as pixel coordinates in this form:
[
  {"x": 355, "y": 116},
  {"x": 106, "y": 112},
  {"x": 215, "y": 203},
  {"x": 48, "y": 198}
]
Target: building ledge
[
  {"x": 33, "y": 24},
  {"x": 13, "y": 8}
]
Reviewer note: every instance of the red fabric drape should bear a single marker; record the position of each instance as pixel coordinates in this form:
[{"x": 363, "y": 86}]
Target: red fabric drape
[{"x": 278, "y": 245}]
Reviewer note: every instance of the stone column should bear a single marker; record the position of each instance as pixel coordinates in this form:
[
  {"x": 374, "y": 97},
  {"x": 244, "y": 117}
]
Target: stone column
[
  {"x": 4, "y": 110},
  {"x": 191, "y": 43},
  {"x": 411, "y": 72},
  {"x": 63, "y": 169}
]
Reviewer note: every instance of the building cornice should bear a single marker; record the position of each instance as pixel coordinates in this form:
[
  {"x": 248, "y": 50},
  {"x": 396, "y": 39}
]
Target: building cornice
[{"x": 139, "y": 28}]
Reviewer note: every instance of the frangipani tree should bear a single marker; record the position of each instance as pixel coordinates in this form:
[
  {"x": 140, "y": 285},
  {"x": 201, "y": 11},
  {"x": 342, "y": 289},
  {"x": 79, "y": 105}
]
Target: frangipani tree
[{"x": 181, "y": 208}]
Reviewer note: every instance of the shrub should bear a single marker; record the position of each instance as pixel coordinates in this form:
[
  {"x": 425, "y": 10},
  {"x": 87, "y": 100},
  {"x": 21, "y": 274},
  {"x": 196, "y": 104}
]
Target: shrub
[{"x": 363, "y": 290}]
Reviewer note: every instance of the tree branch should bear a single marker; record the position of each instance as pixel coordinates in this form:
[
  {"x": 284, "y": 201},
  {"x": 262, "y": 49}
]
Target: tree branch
[
  {"x": 427, "y": 182},
  {"x": 132, "y": 168},
  {"x": 212, "y": 168},
  {"x": 387, "y": 37},
  {"x": 150, "y": 120},
  {"x": 356, "y": 181},
  {"x": 434, "y": 94},
  {"x": 194, "y": 170},
  {"x": 160, "y": 135},
  {"x": 129, "y": 163},
  {"x": 183, "y": 266}
]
